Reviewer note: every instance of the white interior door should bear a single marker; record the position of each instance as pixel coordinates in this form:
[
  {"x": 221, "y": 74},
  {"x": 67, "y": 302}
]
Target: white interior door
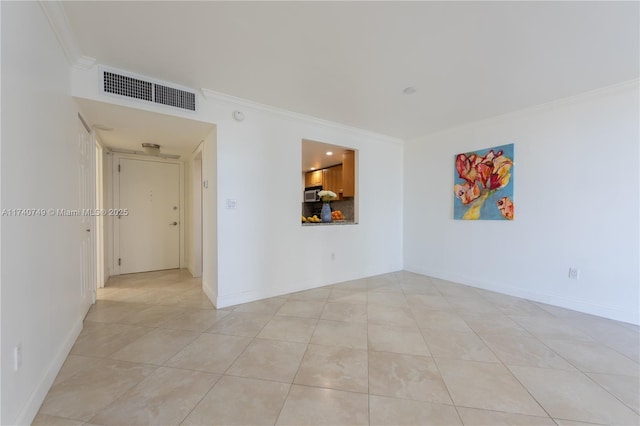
[
  {"x": 149, "y": 191},
  {"x": 87, "y": 283}
]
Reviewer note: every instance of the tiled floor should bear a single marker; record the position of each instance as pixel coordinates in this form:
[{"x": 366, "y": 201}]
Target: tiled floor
[{"x": 399, "y": 348}]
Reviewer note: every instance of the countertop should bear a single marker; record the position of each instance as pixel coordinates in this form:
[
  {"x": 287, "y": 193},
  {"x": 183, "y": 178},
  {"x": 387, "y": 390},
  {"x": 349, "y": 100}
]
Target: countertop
[{"x": 335, "y": 222}]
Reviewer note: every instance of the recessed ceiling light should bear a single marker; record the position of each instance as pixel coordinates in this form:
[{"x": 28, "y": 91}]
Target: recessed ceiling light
[
  {"x": 329, "y": 153},
  {"x": 312, "y": 168},
  {"x": 409, "y": 90}
]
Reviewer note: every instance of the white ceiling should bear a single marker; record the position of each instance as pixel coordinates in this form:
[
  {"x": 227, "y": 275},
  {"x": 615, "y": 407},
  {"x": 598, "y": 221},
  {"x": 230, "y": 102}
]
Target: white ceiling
[
  {"x": 314, "y": 155},
  {"x": 349, "y": 62}
]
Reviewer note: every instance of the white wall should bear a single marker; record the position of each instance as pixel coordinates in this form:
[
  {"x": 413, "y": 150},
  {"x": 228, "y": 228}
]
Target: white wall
[
  {"x": 576, "y": 204},
  {"x": 262, "y": 248},
  {"x": 41, "y": 306},
  {"x": 210, "y": 214}
]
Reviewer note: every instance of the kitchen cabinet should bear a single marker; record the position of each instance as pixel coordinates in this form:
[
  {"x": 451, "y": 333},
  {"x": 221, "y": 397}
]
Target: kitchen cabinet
[
  {"x": 313, "y": 178},
  {"x": 349, "y": 173},
  {"x": 332, "y": 179}
]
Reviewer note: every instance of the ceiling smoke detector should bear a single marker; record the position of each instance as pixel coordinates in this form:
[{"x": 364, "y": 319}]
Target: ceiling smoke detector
[{"x": 151, "y": 148}]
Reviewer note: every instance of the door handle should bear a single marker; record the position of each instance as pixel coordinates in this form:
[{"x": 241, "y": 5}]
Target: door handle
[{"x": 174, "y": 223}]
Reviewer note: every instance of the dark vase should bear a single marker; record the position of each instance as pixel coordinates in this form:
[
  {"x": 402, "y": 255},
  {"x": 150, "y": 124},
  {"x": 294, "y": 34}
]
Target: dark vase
[{"x": 325, "y": 214}]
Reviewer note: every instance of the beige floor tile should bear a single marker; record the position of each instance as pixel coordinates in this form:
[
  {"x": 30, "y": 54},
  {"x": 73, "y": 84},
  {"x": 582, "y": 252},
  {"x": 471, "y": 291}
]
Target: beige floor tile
[
  {"x": 302, "y": 308},
  {"x": 85, "y": 393},
  {"x": 491, "y": 325},
  {"x": 269, "y": 360},
  {"x": 396, "y": 300},
  {"x": 240, "y": 401},
  {"x": 514, "y": 305},
  {"x": 381, "y": 314},
  {"x": 335, "y": 333},
  {"x": 451, "y": 289},
  {"x": 406, "y": 376},
  {"x": 476, "y": 417},
  {"x": 346, "y": 312},
  {"x": 472, "y": 305},
  {"x": 266, "y": 306},
  {"x": 525, "y": 351},
  {"x": 156, "y": 347},
  {"x": 428, "y": 302},
  {"x": 457, "y": 345},
  {"x": 625, "y": 388},
  {"x": 193, "y": 320},
  {"x": 115, "y": 312},
  {"x": 164, "y": 398},
  {"x": 380, "y": 284},
  {"x": 103, "y": 339},
  {"x": 289, "y": 329},
  {"x": 561, "y": 422},
  {"x": 320, "y": 294},
  {"x": 570, "y": 395},
  {"x": 385, "y": 411},
  {"x": 594, "y": 357},
  {"x": 550, "y": 328},
  {"x": 360, "y": 284},
  {"x": 152, "y": 316},
  {"x": 416, "y": 288},
  {"x": 75, "y": 364},
  {"x": 335, "y": 368},
  {"x": 440, "y": 320},
  {"x": 46, "y": 420},
  {"x": 559, "y": 312},
  {"x": 244, "y": 324},
  {"x": 403, "y": 340},
  {"x": 487, "y": 386},
  {"x": 213, "y": 353},
  {"x": 387, "y": 315},
  {"x": 355, "y": 297},
  {"x": 315, "y": 406}
]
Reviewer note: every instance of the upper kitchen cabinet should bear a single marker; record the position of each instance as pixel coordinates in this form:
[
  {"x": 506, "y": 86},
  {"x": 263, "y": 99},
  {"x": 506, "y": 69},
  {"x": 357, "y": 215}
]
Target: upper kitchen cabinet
[
  {"x": 348, "y": 173},
  {"x": 314, "y": 178},
  {"x": 332, "y": 179}
]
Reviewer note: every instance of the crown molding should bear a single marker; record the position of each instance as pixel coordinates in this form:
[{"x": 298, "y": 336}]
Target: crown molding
[
  {"x": 57, "y": 18},
  {"x": 211, "y": 95},
  {"x": 601, "y": 92}
]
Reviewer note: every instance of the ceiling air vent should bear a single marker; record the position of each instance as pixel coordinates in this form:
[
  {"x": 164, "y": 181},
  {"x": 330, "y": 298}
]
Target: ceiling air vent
[
  {"x": 127, "y": 86},
  {"x": 175, "y": 97},
  {"x": 133, "y": 87}
]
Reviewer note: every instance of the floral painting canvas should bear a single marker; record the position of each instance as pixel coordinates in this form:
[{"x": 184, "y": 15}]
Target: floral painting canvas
[{"x": 483, "y": 185}]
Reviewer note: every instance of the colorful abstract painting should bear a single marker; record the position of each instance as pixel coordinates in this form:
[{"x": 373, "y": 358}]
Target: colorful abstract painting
[{"x": 483, "y": 184}]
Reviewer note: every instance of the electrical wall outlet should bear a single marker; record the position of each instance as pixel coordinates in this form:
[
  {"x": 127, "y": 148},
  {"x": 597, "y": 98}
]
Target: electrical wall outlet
[
  {"x": 333, "y": 256},
  {"x": 574, "y": 273}
]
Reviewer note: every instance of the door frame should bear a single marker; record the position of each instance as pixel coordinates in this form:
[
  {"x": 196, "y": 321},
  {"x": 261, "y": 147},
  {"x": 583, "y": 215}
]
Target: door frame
[
  {"x": 197, "y": 214},
  {"x": 115, "y": 185},
  {"x": 87, "y": 272}
]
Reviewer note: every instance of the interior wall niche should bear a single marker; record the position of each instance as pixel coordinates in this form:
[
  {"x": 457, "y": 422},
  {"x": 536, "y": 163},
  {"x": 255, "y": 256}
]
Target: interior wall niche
[{"x": 331, "y": 167}]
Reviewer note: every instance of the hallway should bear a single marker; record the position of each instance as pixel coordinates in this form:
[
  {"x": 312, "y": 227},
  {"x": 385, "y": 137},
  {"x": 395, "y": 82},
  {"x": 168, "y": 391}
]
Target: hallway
[{"x": 398, "y": 348}]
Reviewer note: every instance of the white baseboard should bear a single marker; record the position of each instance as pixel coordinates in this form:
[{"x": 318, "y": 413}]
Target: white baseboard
[
  {"x": 30, "y": 409},
  {"x": 609, "y": 312},
  {"x": 211, "y": 294}
]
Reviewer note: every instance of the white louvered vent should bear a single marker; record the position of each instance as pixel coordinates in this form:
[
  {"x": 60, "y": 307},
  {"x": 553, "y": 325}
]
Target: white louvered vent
[{"x": 137, "y": 88}]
